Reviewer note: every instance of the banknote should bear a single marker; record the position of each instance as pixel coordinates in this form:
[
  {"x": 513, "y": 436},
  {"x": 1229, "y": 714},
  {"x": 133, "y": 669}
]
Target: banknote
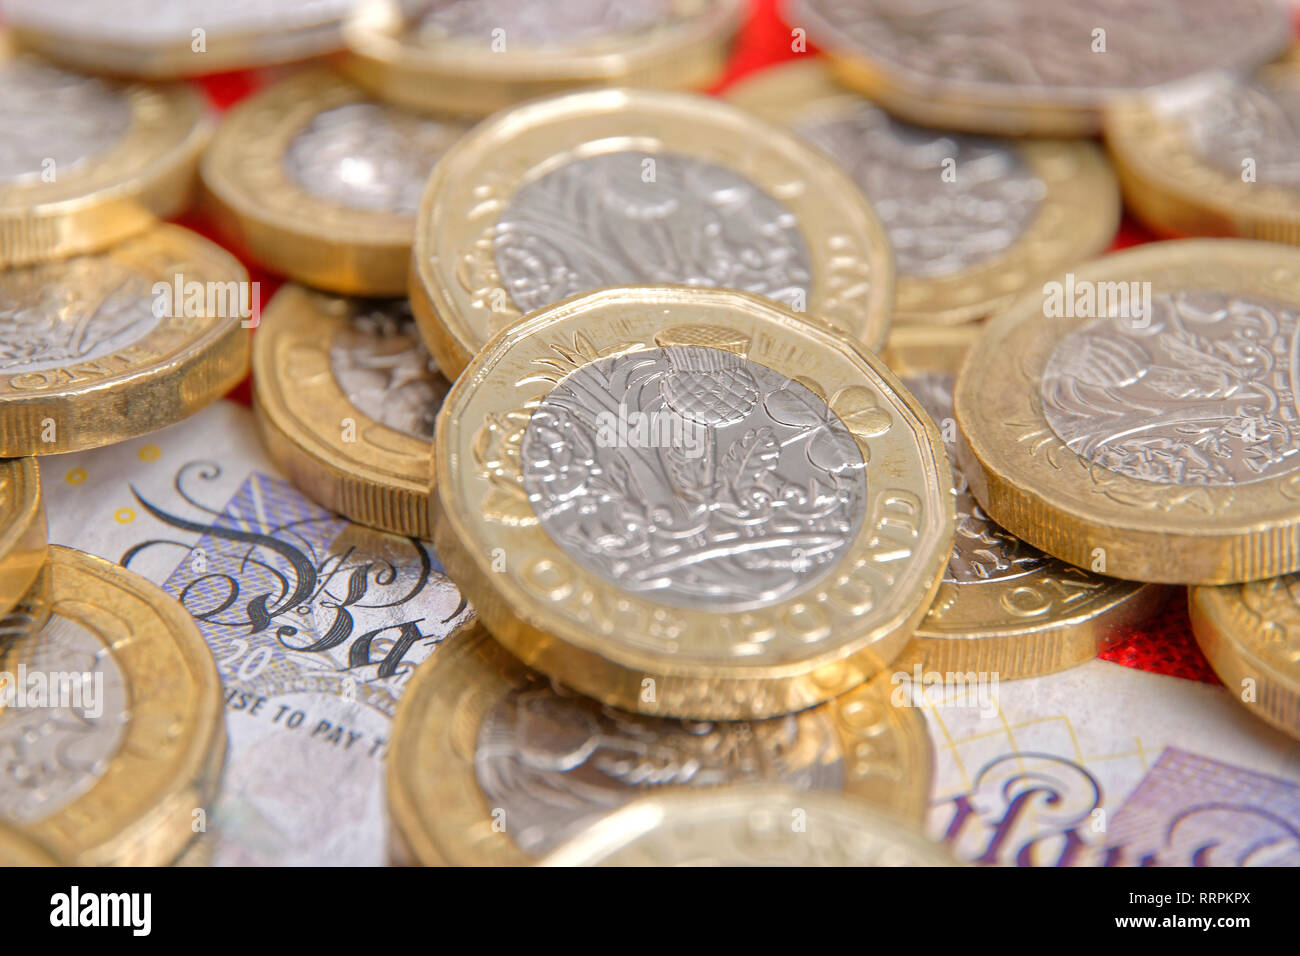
[
  {"x": 315, "y": 624},
  {"x": 1088, "y": 767}
]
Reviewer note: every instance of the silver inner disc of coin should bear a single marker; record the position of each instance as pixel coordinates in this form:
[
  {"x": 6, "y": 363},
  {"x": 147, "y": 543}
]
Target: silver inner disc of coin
[
  {"x": 381, "y": 364},
  {"x": 695, "y": 477},
  {"x": 539, "y": 23},
  {"x": 55, "y": 121},
  {"x": 982, "y": 551},
  {"x": 1202, "y": 395},
  {"x": 1030, "y": 45},
  {"x": 78, "y": 311},
  {"x": 52, "y": 753},
  {"x": 629, "y": 218},
  {"x": 554, "y": 760},
  {"x": 950, "y": 202},
  {"x": 368, "y": 156},
  {"x": 1234, "y": 122}
]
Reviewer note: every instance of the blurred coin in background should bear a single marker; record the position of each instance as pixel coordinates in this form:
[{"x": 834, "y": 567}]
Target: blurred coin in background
[
  {"x": 492, "y": 763},
  {"x": 474, "y": 57},
  {"x": 1137, "y": 417},
  {"x": 1250, "y": 634},
  {"x": 749, "y": 826},
  {"x": 22, "y": 529},
  {"x": 86, "y": 162},
  {"x": 691, "y": 502},
  {"x": 1004, "y": 607},
  {"x": 626, "y": 187},
  {"x": 346, "y": 397},
  {"x": 109, "y": 346},
  {"x": 160, "y": 39},
  {"x": 321, "y": 184},
  {"x": 113, "y": 736},
  {"x": 1220, "y": 158},
  {"x": 972, "y": 220},
  {"x": 1032, "y": 67}
]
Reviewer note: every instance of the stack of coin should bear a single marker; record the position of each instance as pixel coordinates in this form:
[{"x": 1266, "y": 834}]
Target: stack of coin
[{"x": 732, "y": 418}]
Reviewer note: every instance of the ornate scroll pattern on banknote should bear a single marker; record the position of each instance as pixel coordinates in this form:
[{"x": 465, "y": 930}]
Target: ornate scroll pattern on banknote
[
  {"x": 55, "y": 120},
  {"x": 294, "y": 599},
  {"x": 555, "y": 761},
  {"x": 381, "y": 364},
  {"x": 1200, "y": 392},
  {"x": 628, "y": 218},
  {"x": 696, "y": 475},
  {"x": 1194, "y": 811},
  {"x": 982, "y": 551},
  {"x": 368, "y": 156},
  {"x": 76, "y": 311},
  {"x": 950, "y": 202}
]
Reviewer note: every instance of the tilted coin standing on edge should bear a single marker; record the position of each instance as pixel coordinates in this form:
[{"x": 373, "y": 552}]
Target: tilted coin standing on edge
[
  {"x": 474, "y": 57},
  {"x": 691, "y": 502},
  {"x": 173, "y": 38},
  {"x": 1218, "y": 159},
  {"x": 973, "y": 221},
  {"x": 346, "y": 396},
  {"x": 749, "y": 826},
  {"x": 1138, "y": 416},
  {"x": 22, "y": 529},
  {"x": 1025, "y": 67},
  {"x": 87, "y": 162},
  {"x": 112, "y": 767},
  {"x": 481, "y": 740},
  {"x": 1250, "y": 634},
  {"x": 105, "y": 347},
  {"x": 626, "y": 187},
  {"x": 1004, "y": 607},
  {"x": 322, "y": 184}
]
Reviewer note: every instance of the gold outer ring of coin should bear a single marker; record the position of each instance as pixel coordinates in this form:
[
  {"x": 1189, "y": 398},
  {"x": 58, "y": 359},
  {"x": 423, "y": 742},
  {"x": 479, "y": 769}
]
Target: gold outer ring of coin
[
  {"x": 139, "y": 812},
  {"x": 1075, "y": 220},
  {"x": 22, "y": 530},
  {"x": 1178, "y": 193},
  {"x": 146, "y": 175},
  {"x": 340, "y": 248},
  {"x": 1247, "y": 632},
  {"x": 1022, "y": 625},
  {"x": 456, "y": 289},
  {"x": 1036, "y": 487},
  {"x": 89, "y": 48},
  {"x": 441, "y": 816},
  {"x": 472, "y": 80},
  {"x": 382, "y": 479},
  {"x": 760, "y": 825},
  {"x": 18, "y": 850},
  {"x": 184, "y": 364},
  {"x": 992, "y": 109},
  {"x": 608, "y": 642}
]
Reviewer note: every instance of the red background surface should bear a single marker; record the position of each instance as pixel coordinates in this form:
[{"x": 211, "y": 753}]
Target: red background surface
[{"x": 1163, "y": 644}]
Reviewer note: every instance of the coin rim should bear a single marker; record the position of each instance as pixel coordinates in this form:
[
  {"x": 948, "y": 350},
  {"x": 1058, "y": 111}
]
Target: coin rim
[
  {"x": 1061, "y": 508},
  {"x": 440, "y": 815},
  {"x": 385, "y": 486},
  {"x": 704, "y": 128},
  {"x": 1081, "y": 209},
  {"x": 547, "y": 641}
]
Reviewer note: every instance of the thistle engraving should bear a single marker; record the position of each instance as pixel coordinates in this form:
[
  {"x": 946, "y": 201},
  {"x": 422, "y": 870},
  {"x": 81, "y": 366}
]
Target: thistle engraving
[{"x": 776, "y": 495}]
